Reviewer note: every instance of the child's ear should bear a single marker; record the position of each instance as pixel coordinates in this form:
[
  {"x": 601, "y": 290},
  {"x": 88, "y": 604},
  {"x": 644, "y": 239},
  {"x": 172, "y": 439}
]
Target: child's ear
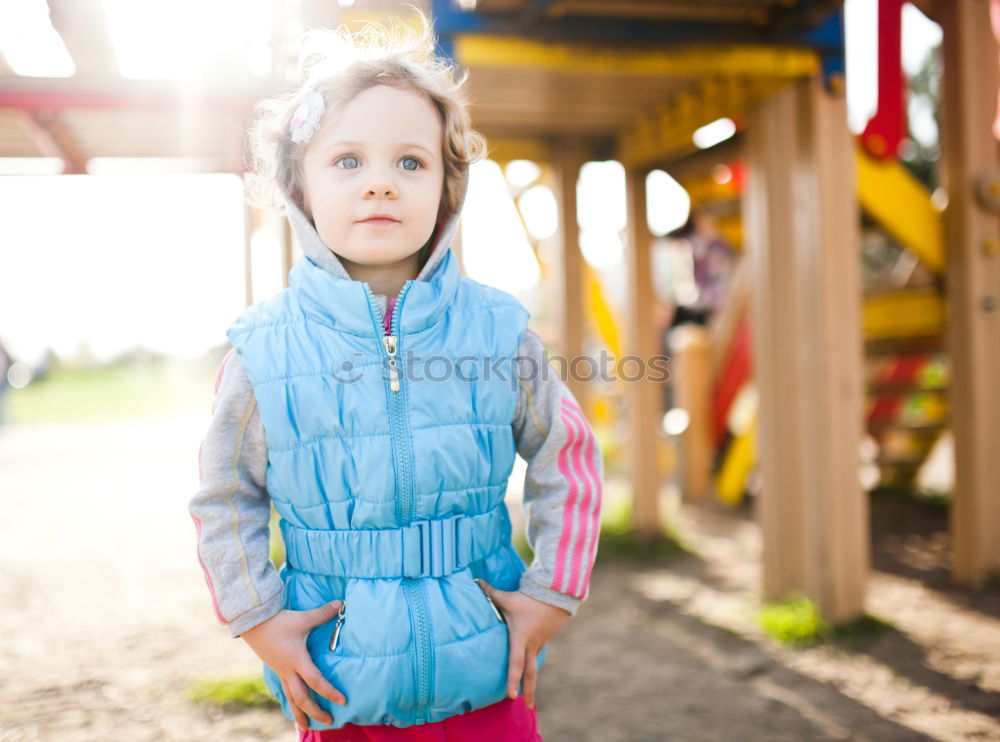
[{"x": 300, "y": 200}]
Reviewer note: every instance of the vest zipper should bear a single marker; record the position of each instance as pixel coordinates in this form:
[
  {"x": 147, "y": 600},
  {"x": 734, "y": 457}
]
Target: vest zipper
[
  {"x": 337, "y": 626},
  {"x": 389, "y": 341},
  {"x": 413, "y": 589}
]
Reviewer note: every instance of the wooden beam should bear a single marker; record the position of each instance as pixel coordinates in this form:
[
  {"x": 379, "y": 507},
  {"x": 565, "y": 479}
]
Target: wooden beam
[
  {"x": 666, "y": 133},
  {"x": 251, "y": 220},
  {"x": 567, "y": 158},
  {"x": 642, "y": 343},
  {"x": 456, "y": 247},
  {"x": 100, "y": 93},
  {"x": 699, "y": 162},
  {"x": 505, "y": 149},
  {"x": 286, "y": 250},
  {"x": 692, "y": 363},
  {"x": 970, "y": 154},
  {"x": 803, "y": 243}
]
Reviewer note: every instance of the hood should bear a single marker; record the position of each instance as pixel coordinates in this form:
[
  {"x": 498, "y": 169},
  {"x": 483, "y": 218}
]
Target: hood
[{"x": 322, "y": 255}]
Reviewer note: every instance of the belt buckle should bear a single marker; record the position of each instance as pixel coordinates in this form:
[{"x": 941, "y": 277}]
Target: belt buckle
[{"x": 438, "y": 546}]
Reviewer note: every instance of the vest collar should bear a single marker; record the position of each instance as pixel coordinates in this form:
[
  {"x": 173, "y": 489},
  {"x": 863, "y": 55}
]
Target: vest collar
[{"x": 349, "y": 305}]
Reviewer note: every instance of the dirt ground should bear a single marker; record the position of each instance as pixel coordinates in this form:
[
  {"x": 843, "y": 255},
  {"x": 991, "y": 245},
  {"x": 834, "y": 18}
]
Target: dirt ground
[{"x": 106, "y": 621}]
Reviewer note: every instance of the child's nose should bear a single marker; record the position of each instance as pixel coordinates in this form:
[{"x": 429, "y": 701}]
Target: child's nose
[
  {"x": 381, "y": 191},
  {"x": 380, "y": 184}
]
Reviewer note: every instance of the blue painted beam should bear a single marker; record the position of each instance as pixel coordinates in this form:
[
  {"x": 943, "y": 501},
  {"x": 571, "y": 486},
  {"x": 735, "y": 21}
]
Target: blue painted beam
[{"x": 450, "y": 20}]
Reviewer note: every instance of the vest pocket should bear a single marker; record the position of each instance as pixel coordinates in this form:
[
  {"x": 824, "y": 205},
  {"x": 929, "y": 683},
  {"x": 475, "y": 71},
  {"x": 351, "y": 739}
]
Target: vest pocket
[
  {"x": 471, "y": 649},
  {"x": 375, "y": 623},
  {"x": 364, "y": 653}
]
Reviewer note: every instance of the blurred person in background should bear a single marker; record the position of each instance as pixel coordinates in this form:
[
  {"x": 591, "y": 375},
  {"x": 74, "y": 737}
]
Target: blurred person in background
[{"x": 692, "y": 268}]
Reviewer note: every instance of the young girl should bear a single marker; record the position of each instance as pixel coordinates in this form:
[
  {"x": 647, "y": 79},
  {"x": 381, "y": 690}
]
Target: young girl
[{"x": 379, "y": 402}]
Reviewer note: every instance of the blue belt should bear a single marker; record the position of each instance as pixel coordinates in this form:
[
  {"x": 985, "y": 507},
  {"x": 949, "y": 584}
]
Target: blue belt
[{"x": 426, "y": 548}]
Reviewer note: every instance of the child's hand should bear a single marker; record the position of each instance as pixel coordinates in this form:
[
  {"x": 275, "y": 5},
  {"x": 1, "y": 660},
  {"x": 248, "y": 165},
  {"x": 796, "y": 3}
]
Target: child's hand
[
  {"x": 280, "y": 642},
  {"x": 531, "y": 624}
]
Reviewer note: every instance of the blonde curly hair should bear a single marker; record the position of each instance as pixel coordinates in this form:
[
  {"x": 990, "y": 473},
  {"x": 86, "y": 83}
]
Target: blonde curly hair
[{"x": 339, "y": 64}]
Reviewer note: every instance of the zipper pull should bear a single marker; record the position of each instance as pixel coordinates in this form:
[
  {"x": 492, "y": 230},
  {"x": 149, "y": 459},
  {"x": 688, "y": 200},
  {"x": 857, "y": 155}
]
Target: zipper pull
[
  {"x": 496, "y": 610},
  {"x": 337, "y": 626},
  {"x": 390, "y": 346}
]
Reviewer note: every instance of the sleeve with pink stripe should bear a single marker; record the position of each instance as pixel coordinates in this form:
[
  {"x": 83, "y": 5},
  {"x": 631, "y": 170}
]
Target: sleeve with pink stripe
[
  {"x": 562, "y": 487},
  {"x": 231, "y": 509}
]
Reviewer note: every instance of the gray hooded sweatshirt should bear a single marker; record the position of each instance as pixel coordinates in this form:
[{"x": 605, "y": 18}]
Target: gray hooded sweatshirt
[{"x": 231, "y": 509}]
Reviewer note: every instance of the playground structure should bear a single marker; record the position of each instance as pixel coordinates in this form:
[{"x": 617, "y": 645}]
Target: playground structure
[
  {"x": 564, "y": 82},
  {"x": 591, "y": 83}
]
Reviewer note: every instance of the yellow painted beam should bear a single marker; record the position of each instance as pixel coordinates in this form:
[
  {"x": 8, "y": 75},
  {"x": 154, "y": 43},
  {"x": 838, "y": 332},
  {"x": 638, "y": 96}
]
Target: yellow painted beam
[
  {"x": 665, "y": 134},
  {"x": 902, "y": 206},
  {"x": 695, "y": 61},
  {"x": 505, "y": 149},
  {"x": 902, "y": 314}
]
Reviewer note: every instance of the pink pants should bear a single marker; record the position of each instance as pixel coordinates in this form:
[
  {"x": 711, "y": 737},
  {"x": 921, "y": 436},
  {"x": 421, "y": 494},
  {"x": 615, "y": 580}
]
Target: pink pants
[{"x": 505, "y": 721}]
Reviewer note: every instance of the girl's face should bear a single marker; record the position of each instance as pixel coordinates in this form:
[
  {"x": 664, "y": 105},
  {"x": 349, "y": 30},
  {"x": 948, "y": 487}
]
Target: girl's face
[{"x": 373, "y": 175}]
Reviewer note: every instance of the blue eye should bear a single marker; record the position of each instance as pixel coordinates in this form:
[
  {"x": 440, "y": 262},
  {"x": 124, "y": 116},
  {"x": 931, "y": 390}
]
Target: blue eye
[
  {"x": 410, "y": 163},
  {"x": 349, "y": 162}
]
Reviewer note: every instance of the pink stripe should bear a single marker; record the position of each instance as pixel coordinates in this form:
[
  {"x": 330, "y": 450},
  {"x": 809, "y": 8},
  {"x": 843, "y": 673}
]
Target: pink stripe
[
  {"x": 579, "y": 532},
  {"x": 596, "y": 513},
  {"x": 211, "y": 587},
  {"x": 567, "y": 527},
  {"x": 583, "y": 508},
  {"x": 589, "y": 508}
]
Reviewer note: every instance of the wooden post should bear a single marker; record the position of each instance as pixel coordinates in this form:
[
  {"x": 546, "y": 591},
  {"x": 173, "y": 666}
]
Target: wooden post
[
  {"x": 803, "y": 247},
  {"x": 286, "y": 250},
  {"x": 456, "y": 247},
  {"x": 567, "y": 159},
  {"x": 692, "y": 363},
  {"x": 970, "y": 152},
  {"x": 641, "y": 343}
]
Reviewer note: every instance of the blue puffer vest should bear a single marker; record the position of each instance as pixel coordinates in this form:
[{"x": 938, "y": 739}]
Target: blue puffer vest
[{"x": 388, "y": 459}]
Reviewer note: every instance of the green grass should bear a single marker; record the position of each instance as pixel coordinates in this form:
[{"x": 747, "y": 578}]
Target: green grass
[
  {"x": 243, "y": 691},
  {"x": 523, "y": 549},
  {"x": 116, "y": 391},
  {"x": 797, "y": 622}
]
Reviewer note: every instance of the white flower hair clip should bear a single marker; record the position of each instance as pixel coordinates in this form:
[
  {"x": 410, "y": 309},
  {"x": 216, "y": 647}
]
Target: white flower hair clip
[{"x": 307, "y": 116}]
